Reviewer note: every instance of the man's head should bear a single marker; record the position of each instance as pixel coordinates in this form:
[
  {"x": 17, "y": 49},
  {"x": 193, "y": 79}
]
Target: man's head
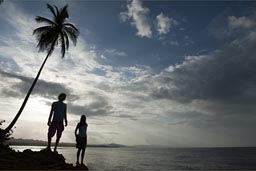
[{"x": 62, "y": 97}]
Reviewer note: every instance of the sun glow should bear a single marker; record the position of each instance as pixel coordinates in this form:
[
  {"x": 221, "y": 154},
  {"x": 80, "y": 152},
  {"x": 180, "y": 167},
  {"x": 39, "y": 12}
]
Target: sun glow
[{"x": 36, "y": 109}]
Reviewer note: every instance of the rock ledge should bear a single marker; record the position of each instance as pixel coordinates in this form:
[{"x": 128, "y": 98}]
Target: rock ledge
[{"x": 31, "y": 160}]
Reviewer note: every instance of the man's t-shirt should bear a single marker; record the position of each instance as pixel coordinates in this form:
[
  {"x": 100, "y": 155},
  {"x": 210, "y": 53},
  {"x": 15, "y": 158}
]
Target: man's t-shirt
[{"x": 59, "y": 109}]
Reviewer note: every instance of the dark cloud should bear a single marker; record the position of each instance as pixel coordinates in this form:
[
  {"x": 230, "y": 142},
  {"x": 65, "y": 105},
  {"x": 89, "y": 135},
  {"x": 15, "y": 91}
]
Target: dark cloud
[
  {"x": 219, "y": 86},
  {"x": 42, "y": 88},
  {"x": 130, "y": 117},
  {"x": 217, "y": 121},
  {"x": 226, "y": 25},
  {"x": 224, "y": 75},
  {"x": 98, "y": 107},
  {"x": 192, "y": 118},
  {"x": 218, "y": 27}
]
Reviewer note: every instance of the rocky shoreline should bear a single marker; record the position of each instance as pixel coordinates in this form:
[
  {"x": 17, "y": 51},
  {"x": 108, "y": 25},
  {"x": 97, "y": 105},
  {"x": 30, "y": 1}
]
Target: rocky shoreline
[{"x": 31, "y": 160}]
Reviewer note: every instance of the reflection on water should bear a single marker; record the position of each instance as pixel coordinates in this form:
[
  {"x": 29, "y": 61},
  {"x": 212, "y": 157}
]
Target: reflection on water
[{"x": 33, "y": 148}]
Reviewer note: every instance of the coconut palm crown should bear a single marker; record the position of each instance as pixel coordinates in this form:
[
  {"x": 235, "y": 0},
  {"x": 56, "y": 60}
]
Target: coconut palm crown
[{"x": 57, "y": 31}]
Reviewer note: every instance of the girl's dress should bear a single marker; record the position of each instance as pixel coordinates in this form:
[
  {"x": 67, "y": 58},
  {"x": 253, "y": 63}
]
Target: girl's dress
[{"x": 81, "y": 139}]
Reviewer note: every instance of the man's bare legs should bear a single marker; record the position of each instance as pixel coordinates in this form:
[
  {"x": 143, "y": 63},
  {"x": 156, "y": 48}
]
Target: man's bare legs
[
  {"x": 56, "y": 144},
  {"x": 49, "y": 142}
]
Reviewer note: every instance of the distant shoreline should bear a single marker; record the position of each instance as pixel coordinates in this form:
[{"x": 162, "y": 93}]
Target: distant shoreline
[
  {"x": 30, "y": 142},
  {"x": 90, "y": 145}
]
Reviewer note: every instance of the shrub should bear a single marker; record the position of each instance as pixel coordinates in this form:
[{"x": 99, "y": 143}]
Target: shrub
[{"x": 4, "y": 136}]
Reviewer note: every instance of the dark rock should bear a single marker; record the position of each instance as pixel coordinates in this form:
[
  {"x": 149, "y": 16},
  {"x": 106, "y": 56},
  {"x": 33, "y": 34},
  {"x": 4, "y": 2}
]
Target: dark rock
[
  {"x": 28, "y": 159},
  {"x": 81, "y": 167},
  {"x": 28, "y": 151}
]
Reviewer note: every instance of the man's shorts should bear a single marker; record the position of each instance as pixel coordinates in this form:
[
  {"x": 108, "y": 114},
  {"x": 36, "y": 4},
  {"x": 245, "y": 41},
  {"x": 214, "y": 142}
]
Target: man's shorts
[{"x": 56, "y": 126}]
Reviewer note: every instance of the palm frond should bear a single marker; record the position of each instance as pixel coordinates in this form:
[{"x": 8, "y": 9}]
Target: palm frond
[
  {"x": 52, "y": 10},
  {"x": 51, "y": 49},
  {"x": 72, "y": 26},
  {"x": 71, "y": 34},
  {"x": 66, "y": 39},
  {"x": 40, "y": 19},
  {"x": 63, "y": 45},
  {"x": 57, "y": 11},
  {"x": 64, "y": 12},
  {"x": 41, "y": 30},
  {"x": 46, "y": 39}
]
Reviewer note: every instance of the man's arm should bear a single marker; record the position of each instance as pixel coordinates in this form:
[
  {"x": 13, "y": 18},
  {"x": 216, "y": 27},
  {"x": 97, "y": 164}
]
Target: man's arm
[
  {"x": 50, "y": 115},
  {"x": 66, "y": 121}
]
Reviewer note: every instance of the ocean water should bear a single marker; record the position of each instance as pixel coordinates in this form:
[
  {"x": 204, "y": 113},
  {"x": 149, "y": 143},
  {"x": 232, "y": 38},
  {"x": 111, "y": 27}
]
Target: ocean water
[{"x": 160, "y": 159}]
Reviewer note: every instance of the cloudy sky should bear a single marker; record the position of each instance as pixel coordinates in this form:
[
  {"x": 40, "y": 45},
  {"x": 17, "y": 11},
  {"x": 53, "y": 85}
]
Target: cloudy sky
[{"x": 169, "y": 73}]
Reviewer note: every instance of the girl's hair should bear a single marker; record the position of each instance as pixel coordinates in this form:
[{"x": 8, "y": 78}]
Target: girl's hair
[{"x": 83, "y": 120}]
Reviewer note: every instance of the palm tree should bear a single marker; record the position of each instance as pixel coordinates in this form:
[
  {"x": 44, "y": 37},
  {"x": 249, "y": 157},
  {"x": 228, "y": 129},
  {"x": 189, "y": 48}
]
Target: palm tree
[{"x": 56, "y": 31}]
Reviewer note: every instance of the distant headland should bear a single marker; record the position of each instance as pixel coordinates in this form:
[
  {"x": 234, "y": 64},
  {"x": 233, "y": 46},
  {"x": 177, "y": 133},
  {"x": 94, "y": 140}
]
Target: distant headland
[{"x": 31, "y": 142}]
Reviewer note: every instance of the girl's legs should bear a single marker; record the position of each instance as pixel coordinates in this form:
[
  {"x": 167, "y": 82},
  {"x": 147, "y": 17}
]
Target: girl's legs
[
  {"x": 83, "y": 150},
  {"x": 77, "y": 155},
  {"x": 82, "y": 157}
]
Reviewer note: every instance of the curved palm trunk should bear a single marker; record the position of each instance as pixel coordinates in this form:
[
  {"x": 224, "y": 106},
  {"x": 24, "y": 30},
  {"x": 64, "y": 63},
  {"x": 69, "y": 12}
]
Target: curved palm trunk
[{"x": 28, "y": 94}]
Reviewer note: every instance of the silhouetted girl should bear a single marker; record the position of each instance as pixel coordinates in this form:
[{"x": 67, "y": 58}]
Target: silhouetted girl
[{"x": 81, "y": 138}]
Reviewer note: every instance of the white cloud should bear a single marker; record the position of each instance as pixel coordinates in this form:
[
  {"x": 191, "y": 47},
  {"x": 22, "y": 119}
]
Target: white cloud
[
  {"x": 164, "y": 23},
  {"x": 177, "y": 101},
  {"x": 170, "y": 42},
  {"x": 139, "y": 16},
  {"x": 124, "y": 16},
  {"x": 114, "y": 52},
  {"x": 74, "y": 72},
  {"x": 240, "y": 22},
  {"x": 23, "y": 24}
]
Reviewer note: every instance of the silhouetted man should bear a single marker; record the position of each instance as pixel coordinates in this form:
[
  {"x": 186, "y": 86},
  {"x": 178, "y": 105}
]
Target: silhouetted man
[{"x": 59, "y": 113}]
